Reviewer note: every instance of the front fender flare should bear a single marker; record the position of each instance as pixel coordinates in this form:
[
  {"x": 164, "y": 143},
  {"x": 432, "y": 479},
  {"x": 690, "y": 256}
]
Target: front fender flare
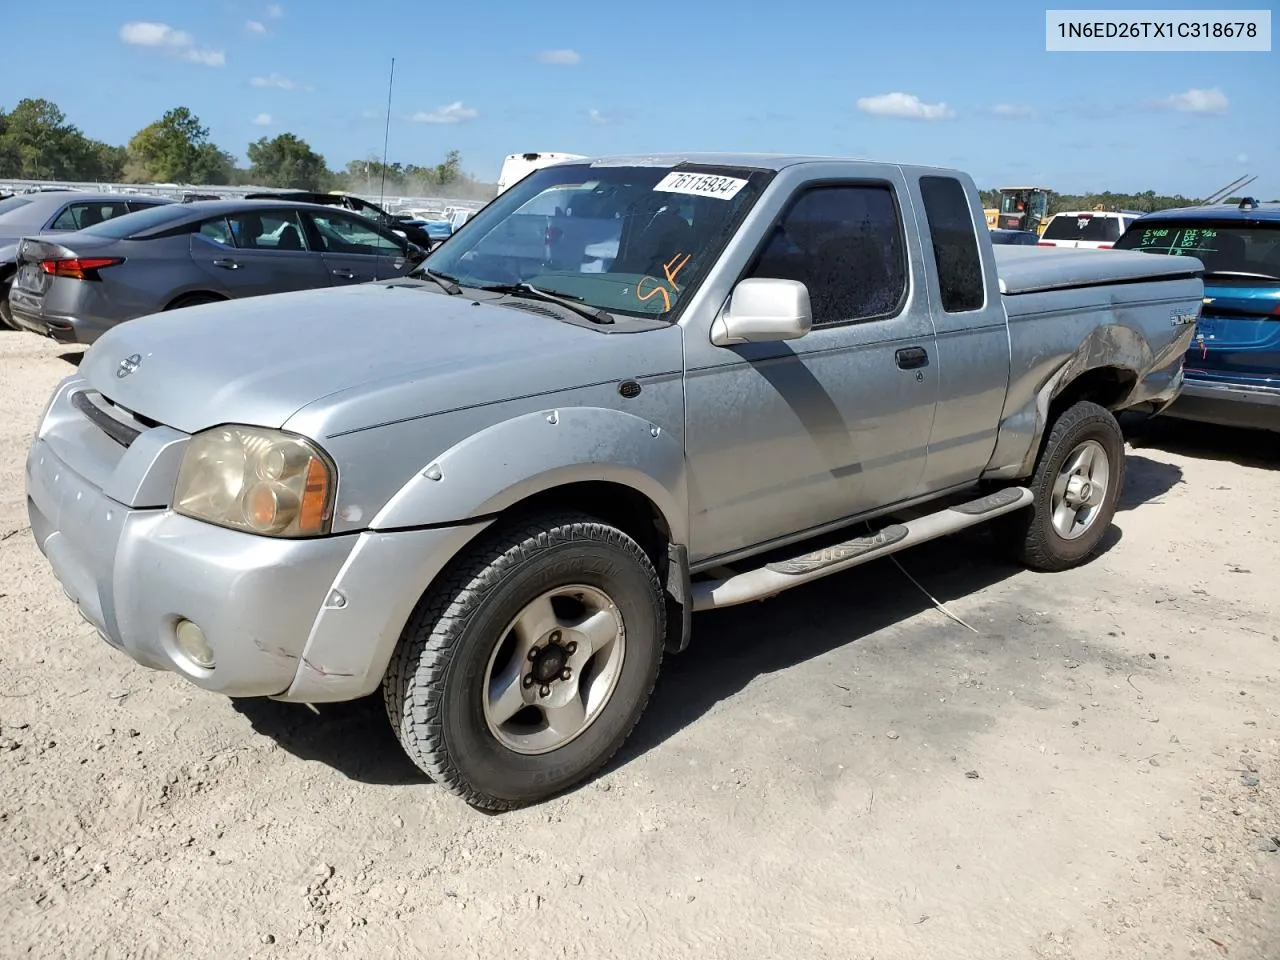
[{"x": 507, "y": 462}]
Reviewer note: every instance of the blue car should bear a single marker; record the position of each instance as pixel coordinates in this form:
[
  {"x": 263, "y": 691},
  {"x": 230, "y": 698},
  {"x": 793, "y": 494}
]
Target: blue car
[{"x": 1232, "y": 368}]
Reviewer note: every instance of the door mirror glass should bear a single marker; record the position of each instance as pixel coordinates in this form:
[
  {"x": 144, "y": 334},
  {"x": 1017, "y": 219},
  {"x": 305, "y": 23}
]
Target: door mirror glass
[{"x": 763, "y": 309}]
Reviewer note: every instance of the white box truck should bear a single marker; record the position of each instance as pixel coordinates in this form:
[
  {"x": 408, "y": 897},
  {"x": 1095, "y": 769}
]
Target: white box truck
[{"x": 519, "y": 165}]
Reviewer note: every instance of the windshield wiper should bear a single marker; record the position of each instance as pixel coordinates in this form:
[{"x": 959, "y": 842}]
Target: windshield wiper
[
  {"x": 566, "y": 300},
  {"x": 447, "y": 283}
]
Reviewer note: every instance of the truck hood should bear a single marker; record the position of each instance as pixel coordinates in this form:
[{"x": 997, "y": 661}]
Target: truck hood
[{"x": 260, "y": 360}]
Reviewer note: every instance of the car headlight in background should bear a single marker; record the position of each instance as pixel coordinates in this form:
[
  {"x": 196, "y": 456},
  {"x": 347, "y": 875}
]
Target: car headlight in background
[{"x": 257, "y": 480}]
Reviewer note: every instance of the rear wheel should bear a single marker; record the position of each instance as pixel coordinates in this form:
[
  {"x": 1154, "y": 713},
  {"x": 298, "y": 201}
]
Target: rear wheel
[
  {"x": 524, "y": 669},
  {"x": 1076, "y": 486}
]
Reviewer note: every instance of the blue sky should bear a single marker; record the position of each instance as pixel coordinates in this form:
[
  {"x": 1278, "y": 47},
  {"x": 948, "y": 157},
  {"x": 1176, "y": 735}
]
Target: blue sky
[{"x": 956, "y": 84}]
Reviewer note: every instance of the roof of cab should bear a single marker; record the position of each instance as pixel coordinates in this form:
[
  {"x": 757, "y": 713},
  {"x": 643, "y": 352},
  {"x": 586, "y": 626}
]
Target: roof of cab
[{"x": 761, "y": 161}]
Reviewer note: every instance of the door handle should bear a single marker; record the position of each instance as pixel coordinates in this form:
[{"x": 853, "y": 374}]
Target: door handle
[
  {"x": 226, "y": 264},
  {"x": 911, "y": 357},
  {"x": 344, "y": 274}
]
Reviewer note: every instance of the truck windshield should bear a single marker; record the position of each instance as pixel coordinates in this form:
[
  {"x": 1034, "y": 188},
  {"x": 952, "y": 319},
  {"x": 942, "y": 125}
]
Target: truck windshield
[
  {"x": 1248, "y": 252},
  {"x": 627, "y": 239}
]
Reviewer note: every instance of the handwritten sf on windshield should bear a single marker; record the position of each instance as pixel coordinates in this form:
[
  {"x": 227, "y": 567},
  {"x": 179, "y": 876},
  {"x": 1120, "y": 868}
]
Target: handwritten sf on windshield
[{"x": 671, "y": 269}]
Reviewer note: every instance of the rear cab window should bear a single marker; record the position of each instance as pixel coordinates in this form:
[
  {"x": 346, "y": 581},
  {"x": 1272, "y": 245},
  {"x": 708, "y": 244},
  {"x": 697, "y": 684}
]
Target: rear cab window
[
  {"x": 1086, "y": 227},
  {"x": 1232, "y": 251},
  {"x": 955, "y": 244}
]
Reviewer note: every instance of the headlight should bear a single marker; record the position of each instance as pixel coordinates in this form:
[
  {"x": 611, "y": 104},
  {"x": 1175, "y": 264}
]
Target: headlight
[{"x": 258, "y": 480}]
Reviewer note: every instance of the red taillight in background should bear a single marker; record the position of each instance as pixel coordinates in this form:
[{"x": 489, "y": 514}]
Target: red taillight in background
[
  {"x": 78, "y": 268},
  {"x": 552, "y": 235},
  {"x": 1104, "y": 246},
  {"x": 1046, "y": 243}
]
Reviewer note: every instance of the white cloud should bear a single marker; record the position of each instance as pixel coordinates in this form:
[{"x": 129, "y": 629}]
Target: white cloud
[
  {"x": 274, "y": 11},
  {"x": 906, "y": 106},
  {"x": 275, "y": 81},
  {"x": 453, "y": 113},
  {"x": 256, "y": 27},
  {"x": 1013, "y": 110},
  {"x": 561, "y": 58},
  {"x": 210, "y": 58},
  {"x": 262, "y": 120},
  {"x": 1197, "y": 101},
  {"x": 144, "y": 34},
  {"x": 595, "y": 116},
  {"x": 175, "y": 43}
]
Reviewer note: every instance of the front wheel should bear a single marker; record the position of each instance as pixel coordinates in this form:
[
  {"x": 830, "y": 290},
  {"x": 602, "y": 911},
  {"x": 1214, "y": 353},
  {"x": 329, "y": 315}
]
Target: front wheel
[
  {"x": 524, "y": 669},
  {"x": 1076, "y": 486}
]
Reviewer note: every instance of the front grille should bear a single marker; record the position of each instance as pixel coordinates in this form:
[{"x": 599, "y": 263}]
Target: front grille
[{"x": 121, "y": 425}]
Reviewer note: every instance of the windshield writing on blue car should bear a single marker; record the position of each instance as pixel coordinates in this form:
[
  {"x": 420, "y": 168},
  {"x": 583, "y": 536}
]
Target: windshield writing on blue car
[
  {"x": 1222, "y": 246},
  {"x": 625, "y": 239}
]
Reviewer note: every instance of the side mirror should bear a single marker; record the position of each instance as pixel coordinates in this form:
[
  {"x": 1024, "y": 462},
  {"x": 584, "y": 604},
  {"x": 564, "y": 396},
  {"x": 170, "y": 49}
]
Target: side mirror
[
  {"x": 763, "y": 309},
  {"x": 414, "y": 252}
]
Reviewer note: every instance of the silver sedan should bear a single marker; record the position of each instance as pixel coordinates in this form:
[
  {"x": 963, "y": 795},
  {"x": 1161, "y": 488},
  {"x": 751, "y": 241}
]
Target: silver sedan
[
  {"x": 74, "y": 287},
  {"x": 55, "y": 211}
]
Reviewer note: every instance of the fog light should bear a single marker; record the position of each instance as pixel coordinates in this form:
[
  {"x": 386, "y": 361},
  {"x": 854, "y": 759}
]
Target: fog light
[{"x": 192, "y": 642}]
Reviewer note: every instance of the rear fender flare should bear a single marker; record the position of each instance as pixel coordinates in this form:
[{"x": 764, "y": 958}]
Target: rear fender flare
[
  {"x": 1113, "y": 346},
  {"x": 510, "y": 461}
]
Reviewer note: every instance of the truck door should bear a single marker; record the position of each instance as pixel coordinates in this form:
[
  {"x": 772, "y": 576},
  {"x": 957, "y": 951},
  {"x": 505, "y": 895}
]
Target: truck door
[
  {"x": 972, "y": 369},
  {"x": 788, "y": 436}
]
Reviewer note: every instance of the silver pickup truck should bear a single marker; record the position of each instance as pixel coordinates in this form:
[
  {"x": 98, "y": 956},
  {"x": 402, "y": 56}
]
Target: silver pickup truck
[{"x": 628, "y": 390}]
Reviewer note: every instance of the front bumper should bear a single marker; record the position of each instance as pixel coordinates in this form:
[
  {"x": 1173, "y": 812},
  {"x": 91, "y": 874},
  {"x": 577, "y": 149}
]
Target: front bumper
[
  {"x": 1227, "y": 404},
  {"x": 304, "y": 620}
]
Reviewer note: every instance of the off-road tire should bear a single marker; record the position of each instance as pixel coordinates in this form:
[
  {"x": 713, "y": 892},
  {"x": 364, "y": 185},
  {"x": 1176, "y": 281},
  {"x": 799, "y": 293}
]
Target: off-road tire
[
  {"x": 1028, "y": 535},
  {"x": 434, "y": 683}
]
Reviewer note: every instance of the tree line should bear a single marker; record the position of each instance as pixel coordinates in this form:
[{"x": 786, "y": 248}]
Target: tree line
[
  {"x": 1147, "y": 202},
  {"x": 37, "y": 142}
]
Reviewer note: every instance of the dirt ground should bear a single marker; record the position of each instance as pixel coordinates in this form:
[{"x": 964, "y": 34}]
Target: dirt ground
[{"x": 1089, "y": 769}]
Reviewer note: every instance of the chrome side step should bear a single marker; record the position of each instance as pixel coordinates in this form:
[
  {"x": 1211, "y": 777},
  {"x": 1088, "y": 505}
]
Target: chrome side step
[{"x": 773, "y": 578}]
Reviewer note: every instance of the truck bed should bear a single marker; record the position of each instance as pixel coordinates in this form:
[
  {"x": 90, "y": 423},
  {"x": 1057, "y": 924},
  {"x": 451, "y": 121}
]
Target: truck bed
[{"x": 1026, "y": 270}]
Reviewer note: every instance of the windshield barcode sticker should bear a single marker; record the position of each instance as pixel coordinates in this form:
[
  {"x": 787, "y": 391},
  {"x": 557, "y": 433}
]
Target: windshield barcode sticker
[{"x": 700, "y": 185}]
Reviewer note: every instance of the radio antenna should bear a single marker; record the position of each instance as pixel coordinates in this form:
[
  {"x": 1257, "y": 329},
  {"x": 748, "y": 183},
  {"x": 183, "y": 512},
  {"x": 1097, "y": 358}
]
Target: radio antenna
[{"x": 386, "y": 135}]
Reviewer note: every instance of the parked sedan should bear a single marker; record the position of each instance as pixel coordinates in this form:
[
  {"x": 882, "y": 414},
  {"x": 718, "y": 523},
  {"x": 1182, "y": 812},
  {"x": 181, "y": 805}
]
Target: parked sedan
[
  {"x": 410, "y": 230},
  {"x": 76, "y": 286},
  {"x": 1232, "y": 369},
  {"x": 55, "y": 212}
]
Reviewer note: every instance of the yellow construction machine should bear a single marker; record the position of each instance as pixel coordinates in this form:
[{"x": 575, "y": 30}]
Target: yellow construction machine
[{"x": 1021, "y": 208}]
